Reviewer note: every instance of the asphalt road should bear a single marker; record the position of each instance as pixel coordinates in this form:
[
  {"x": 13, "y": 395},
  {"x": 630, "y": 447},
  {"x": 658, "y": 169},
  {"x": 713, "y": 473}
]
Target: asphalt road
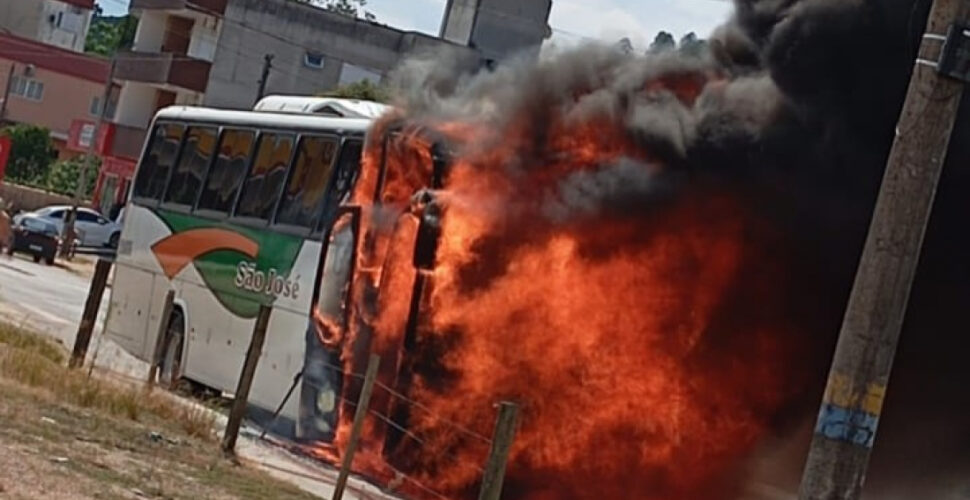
[{"x": 48, "y": 298}]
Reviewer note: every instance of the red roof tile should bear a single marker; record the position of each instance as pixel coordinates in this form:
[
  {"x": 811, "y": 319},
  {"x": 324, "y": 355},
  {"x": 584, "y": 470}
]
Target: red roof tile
[{"x": 53, "y": 58}]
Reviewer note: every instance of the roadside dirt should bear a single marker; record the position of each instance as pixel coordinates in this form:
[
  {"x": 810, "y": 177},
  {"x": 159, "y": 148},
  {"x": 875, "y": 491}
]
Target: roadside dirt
[{"x": 53, "y": 450}]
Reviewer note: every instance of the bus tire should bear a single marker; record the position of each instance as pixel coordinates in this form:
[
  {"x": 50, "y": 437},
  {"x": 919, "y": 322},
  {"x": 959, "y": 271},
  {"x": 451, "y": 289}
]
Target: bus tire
[{"x": 170, "y": 371}]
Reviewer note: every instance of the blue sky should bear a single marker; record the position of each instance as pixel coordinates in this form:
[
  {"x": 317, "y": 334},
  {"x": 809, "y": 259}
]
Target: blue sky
[{"x": 572, "y": 20}]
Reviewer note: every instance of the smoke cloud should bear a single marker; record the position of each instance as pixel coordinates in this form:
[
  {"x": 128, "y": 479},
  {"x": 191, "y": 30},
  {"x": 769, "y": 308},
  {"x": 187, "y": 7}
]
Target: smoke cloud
[{"x": 793, "y": 105}]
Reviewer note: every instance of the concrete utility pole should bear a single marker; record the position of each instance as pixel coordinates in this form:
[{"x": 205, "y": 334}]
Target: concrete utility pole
[
  {"x": 849, "y": 416},
  {"x": 82, "y": 183},
  {"x": 267, "y": 66}
]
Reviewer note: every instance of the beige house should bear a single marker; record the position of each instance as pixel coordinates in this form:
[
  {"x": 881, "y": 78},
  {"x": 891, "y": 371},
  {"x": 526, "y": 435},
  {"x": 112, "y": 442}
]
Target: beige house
[{"x": 49, "y": 86}]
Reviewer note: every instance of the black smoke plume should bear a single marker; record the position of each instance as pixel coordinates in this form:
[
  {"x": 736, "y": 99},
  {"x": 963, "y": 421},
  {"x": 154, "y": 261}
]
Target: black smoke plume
[{"x": 797, "y": 108}]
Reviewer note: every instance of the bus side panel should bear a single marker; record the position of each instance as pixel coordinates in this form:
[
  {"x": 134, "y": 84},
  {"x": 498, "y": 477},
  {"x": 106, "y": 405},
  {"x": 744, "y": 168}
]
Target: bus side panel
[
  {"x": 160, "y": 288},
  {"x": 282, "y": 360},
  {"x": 210, "y": 353},
  {"x": 286, "y": 338},
  {"x": 131, "y": 296}
]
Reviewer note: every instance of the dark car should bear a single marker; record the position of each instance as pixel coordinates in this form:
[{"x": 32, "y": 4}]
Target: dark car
[{"x": 37, "y": 237}]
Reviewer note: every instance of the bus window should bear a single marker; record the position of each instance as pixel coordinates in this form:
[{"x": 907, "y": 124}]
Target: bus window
[
  {"x": 227, "y": 173},
  {"x": 192, "y": 163},
  {"x": 306, "y": 190},
  {"x": 347, "y": 167},
  {"x": 262, "y": 188},
  {"x": 153, "y": 173}
]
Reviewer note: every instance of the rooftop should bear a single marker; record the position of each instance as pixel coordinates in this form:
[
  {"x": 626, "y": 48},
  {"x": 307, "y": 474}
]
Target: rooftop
[
  {"x": 84, "y": 4},
  {"x": 51, "y": 58}
]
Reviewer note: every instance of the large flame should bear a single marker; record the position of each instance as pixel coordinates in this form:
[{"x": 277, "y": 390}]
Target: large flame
[{"x": 642, "y": 334}]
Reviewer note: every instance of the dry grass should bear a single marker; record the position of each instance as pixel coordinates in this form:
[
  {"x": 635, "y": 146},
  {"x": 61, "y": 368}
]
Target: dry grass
[
  {"x": 37, "y": 362},
  {"x": 19, "y": 338},
  {"x": 65, "y": 435}
]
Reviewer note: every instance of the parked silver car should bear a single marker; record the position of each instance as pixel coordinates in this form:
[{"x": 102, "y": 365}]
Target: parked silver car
[{"x": 93, "y": 229}]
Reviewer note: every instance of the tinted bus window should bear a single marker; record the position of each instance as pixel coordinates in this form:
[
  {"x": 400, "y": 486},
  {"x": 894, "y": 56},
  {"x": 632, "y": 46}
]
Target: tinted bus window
[
  {"x": 156, "y": 165},
  {"x": 228, "y": 171},
  {"x": 265, "y": 181},
  {"x": 186, "y": 181},
  {"x": 346, "y": 171},
  {"x": 306, "y": 190}
]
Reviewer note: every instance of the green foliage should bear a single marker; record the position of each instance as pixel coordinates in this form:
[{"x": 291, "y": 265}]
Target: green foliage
[
  {"x": 662, "y": 42},
  {"x": 689, "y": 45},
  {"x": 63, "y": 176},
  {"x": 365, "y": 90},
  {"x": 352, "y": 8},
  {"x": 31, "y": 154},
  {"x": 692, "y": 46},
  {"x": 109, "y": 34}
]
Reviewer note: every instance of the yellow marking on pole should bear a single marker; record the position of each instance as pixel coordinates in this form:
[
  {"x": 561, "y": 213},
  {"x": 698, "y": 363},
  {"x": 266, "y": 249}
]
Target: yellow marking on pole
[{"x": 841, "y": 393}]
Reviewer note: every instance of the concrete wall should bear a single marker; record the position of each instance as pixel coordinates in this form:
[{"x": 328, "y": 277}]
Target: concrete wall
[
  {"x": 27, "y": 199},
  {"x": 136, "y": 104},
  {"x": 289, "y": 31},
  {"x": 72, "y": 33},
  {"x": 21, "y": 17},
  {"x": 498, "y": 28},
  {"x": 459, "y": 21},
  {"x": 31, "y": 19}
]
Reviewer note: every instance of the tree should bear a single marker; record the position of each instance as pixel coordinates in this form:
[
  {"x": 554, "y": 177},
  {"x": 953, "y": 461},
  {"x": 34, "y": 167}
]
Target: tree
[
  {"x": 31, "y": 154},
  {"x": 64, "y": 175},
  {"x": 352, "y": 8},
  {"x": 663, "y": 42},
  {"x": 692, "y": 46},
  {"x": 625, "y": 46},
  {"x": 109, "y": 34},
  {"x": 365, "y": 90}
]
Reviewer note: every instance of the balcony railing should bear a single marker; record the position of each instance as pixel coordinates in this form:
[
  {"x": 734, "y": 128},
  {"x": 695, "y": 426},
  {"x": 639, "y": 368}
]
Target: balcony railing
[
  {"x": 163, "y": 69},
  {"x": 208, "y": 6}
]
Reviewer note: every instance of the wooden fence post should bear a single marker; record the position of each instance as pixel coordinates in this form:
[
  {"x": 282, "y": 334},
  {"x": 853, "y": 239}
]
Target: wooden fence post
[
  {"x": 498, "y": 457},
  {"x": 362, "y": 404},
  {"x": 238, "y": 410},
  {"x": 90, "y": 316},
  {"x": 160, "y": 338}
]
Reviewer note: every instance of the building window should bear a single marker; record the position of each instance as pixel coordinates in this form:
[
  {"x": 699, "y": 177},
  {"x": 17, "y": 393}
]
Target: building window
[
  {"x": 95, "y": 109},
  {"x": 27, "y": 88},
  {"x": 313, "y": 60}
]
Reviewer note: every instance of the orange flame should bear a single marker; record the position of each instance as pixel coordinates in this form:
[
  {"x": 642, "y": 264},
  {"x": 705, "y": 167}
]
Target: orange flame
[{"x": 644, "y": 345}]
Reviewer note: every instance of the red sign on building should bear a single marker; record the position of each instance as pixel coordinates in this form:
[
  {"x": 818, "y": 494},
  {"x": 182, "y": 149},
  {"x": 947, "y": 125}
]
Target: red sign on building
[
  {"x": 81, "y": 133},
  {"x": 5, "y": 146}
]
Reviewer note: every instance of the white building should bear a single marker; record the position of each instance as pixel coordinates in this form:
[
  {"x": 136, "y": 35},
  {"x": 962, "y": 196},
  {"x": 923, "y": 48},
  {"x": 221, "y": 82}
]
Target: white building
[{"x": 62, "y": 23}]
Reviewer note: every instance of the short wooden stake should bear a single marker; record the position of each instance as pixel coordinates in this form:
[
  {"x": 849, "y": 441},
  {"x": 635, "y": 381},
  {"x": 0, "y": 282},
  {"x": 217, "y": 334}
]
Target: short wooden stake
[
  {"x": 90, "y": 316},
  {"x": 160, "y": 344},
  {"x": 362, "y": 404},
  {"x": 238, "y": 410},
  {"x": 498, "y": 457}
]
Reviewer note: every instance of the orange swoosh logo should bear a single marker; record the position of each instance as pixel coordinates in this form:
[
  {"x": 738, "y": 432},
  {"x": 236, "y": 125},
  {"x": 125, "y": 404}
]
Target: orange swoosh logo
[{"x": 177, "y": 251}]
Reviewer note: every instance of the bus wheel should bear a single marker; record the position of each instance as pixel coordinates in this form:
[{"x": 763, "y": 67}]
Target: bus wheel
[{"x": 171, "y": 369}]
